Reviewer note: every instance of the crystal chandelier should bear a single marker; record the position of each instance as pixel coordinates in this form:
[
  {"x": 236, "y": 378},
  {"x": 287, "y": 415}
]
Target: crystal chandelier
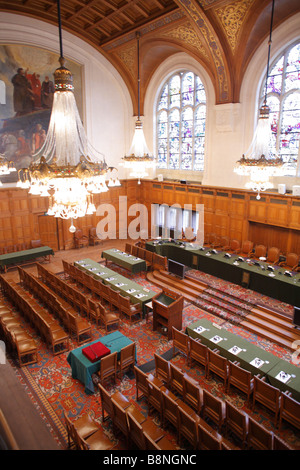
[
  {"x": 259, "y": 163},
  {"x": 139, "y": 159},
  {"x": 62, "y": 170},
  {"x": 6, "y": 167}
]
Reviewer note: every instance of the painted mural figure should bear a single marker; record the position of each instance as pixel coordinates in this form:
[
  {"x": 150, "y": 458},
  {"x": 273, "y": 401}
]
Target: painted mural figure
[{"x": 23, "y": 95}]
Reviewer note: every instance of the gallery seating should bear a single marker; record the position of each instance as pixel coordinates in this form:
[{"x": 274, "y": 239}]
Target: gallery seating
[
  {"x": 289, "y": 410},
  {"x": 259, "y": 438},
  {"x": 170, "y": 411},
  {"x": 240, "y": 378},
  {"x": 198, "y": 353},
  {"x": 260, "y": 251},
  {"x": 213, "y": 408},
  {"x": 192, "y": 393},
  {"x": 127, "y": 358},
  {"x": 273, "y": 255},
  {"x": 291, "y": 262},
  {"x": 217, "y": 364},
  {"x": 162, "y": 368},
  {"x": 132, "y": 311},
  {"x": 84, "y": 427},
  {"x": 180, "y": 341},
  {"x": 108, "y": 367},
  {"x": 236, "y": 423},
  {"x": 137, "y": 431}
]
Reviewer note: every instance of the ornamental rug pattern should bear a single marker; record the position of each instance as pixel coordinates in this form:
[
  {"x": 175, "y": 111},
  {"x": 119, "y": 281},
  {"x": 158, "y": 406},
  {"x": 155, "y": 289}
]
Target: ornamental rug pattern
[{"x": 53, "y": 391}]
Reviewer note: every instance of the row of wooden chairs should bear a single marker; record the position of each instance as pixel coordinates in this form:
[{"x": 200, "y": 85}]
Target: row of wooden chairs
[
  {"x": 107, "y": 294},
  {"x": 139, "y": 431},
  {"x": 48, "y": 328},
  {"x": 153, "y": 260},
  {"x": 283, "y": 405},
  {"x": 247, "y": 248},
  {"x": 72, "y": 321},
  {"x": 222, "y": 413},
  {"x": 110, "y": 365},
  {"x": 17, "y": 339}
]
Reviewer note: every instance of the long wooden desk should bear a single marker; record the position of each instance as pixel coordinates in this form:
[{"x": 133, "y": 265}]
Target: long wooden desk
[
  {"x": 131, "y": 289},
  {"x": 280, "y": 373},
  {"x": 273, "y": 284},
  {"x": 125, "y": 260},
  {"x": 19, "y": 257}
]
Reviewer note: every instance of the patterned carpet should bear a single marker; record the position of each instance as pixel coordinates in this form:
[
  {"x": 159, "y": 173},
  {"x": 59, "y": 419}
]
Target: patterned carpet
[{"x": 51, "y": 388}]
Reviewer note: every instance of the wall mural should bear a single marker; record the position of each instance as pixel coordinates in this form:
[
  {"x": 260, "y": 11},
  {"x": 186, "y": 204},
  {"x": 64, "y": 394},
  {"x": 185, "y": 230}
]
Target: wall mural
[{"x": 26, "y": 95}]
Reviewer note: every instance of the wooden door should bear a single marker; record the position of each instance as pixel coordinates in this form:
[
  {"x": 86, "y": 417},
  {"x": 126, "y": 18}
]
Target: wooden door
[{"x": 50, "y": 232}]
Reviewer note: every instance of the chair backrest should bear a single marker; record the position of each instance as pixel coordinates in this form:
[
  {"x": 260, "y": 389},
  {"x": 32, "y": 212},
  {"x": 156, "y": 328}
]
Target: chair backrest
[
  {"x": 234, "y": 245},
  {"x": 240, "y": 378},
  {"x": 180, "y": 340},
  {"x": 267, "y": 395},
  {"x": 136, "y": 432},
  {"x": 273, "y": 254},
  {"x": 289, "y": 411},
  {"x": 192, "y": 394},
  {"x": 247, "y": 246},
  {"x": 141, "y": 383},
  {"x": 198, "y": 351},
  {"x": 119, "y": 418},
  {"x": 259, "y": 438},
  {"x": 213, "y": 408},
  {"x": 127, "y": 354},
  {"x": 292, "y": 259},
  {"x": 105, "y": 401},
  {"x": 170, "y": 408},
  {"x": 162, "y": 368},
  {"x": 176, "y": 378},
  {"x": 187, "y": 426},
  {"x": 236, "y": 422},
  {"x": 208, "y": 440},
  {"x": 108, "y": 365},
  {"x": 260, "y": 250},
  {"x": 78, "y": 234},
  {"x": 217, "y": 364}
]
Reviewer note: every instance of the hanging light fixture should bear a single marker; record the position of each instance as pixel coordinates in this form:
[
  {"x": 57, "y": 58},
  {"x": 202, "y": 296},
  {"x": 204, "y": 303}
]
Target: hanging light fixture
[
  {"x": 6, "y": 167},
  {"x": 260, "y": 163},
  {"x": 62, "y": 170},
  {"x": 138, "y": 160}
]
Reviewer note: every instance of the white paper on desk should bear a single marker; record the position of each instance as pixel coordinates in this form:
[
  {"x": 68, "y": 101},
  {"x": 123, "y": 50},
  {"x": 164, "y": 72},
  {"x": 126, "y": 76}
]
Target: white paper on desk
[
  {"x": 283, "y": 377},
  {"x": 115, "y": 250},
  {"x": 235, "y": 350},
  {"x": 138, "y": 296},
  {"x": 257, "y": 362},
  {"x": 101, "y": 274},
  {"x": 216, "y": 339},
  {"x": 120, "y": 284},
  {"x": 130, "y": 291},
  {"x": 110, "y": 279},
  {"x": 199, "y": 329}
]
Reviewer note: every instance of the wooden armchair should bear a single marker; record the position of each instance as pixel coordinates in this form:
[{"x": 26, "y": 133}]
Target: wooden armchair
[
  {"x": 80, "y": 240},
  {"x": 170, "y": 411},
  {"x": 291, "y": 262},
  {"x": 188, "y": 427},
  {"x": 267, "y": 395},
  {"x": 217, "y": 364},
  {"x": 176, "y": 379},
  {"x": 138, "y": 429},
  {"x": 240, "y": 378},
  {"x": 162, "y": 368},
  {"x": 273, "y": 255},
  {"x": 84, "y": 427},
  {"x": 133, "y": 311},
  {"x": 289, "y": 410},
  {"x": 180, "y": 341},
  {"x": 93, "y": 237},
  {"x": 27, "y": 351},
  {"x": 234, "y": 246},
  {"x": 141, "y": 383},
  {"x": 108, "y": 367},
  {"x": 97, "y": 441},
  {"x": 214, "y": 409},
  {"x": 160, "y": 444},
  {"x": 236, "y": 423},
  {"x": 259, "y": 252},
  {"x": 259, "y": 438},
  {"x": 80, "y": 328},
  {"x": 107, "y": 318},
  {"x": 198, "y": 353},
  {"x": 192, "y": 394},
  {"x": 246, "y": 248},
  {"x": 127, "y": 358},
  {"x": 155, "y": 399},
  {"x": 208, "y": 439}
]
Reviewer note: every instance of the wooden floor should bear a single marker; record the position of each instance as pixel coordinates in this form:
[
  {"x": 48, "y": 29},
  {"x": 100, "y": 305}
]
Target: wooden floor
[{"x": 29, "y": 429}]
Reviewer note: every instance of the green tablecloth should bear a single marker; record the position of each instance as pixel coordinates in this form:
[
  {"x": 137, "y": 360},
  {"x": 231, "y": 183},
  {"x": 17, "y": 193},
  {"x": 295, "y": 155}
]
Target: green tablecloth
[
  {"x": 273, "y": 284},
  {"x": 83, "y": 369},
  {"x": 131, "y": 289},
  {"x": 233, "y": 347},
  {"x": 24, "y": 255},
  {"x": 251, "y": 357},
  {"x": 125, "y": 260}
]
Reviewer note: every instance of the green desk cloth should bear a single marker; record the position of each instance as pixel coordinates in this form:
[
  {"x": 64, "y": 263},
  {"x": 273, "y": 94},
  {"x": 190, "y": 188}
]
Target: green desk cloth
[
  {"x": 131, "y": 289},
  {"x": 125, "y": 260},
  {"x": 83, "y": 369},
  {"x": 273, "y": 284},
  {"x": 233, "y": 347},
  {"x": 286, "y": 376},
  {"x": 24, "y": 255}
]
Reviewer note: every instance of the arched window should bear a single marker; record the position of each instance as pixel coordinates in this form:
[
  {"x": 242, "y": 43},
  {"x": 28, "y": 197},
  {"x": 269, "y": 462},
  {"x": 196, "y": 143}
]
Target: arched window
[
  {"x": 181, "y": 115},
  {"x": 283, "y": 99}
]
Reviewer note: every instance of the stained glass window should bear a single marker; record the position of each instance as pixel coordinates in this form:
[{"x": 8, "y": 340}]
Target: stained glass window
[
  {"x": 283, "y": 98},
  {"x": 181, "y": 115}
]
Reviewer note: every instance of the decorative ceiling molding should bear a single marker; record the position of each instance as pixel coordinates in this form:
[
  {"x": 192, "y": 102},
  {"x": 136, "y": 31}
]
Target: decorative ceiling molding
[{"x": 187, "y": 35}]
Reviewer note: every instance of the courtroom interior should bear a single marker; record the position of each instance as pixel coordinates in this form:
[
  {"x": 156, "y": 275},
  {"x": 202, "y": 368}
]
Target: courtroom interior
[{"x": 150, "y": 225}]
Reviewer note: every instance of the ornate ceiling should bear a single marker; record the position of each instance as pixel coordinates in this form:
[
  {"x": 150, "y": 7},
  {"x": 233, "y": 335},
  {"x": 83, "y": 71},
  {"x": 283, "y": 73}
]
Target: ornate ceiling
[{"x": 222, "y": 35}]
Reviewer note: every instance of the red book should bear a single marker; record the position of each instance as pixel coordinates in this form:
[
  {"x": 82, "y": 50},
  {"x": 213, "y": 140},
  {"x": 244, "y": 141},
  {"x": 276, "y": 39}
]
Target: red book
[{"x": 95, "y": 351}]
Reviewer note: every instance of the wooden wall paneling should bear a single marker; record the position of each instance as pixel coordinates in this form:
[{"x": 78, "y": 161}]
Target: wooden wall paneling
[
  {"x": 6, "y": 233},
  {"x": 49, "y": 232},
  {"x": 294, "y": 218},
  {"x": 277, "y": 211},
  {"x": 269, "y": 235},
  {"x": 257, "y": 210}
]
